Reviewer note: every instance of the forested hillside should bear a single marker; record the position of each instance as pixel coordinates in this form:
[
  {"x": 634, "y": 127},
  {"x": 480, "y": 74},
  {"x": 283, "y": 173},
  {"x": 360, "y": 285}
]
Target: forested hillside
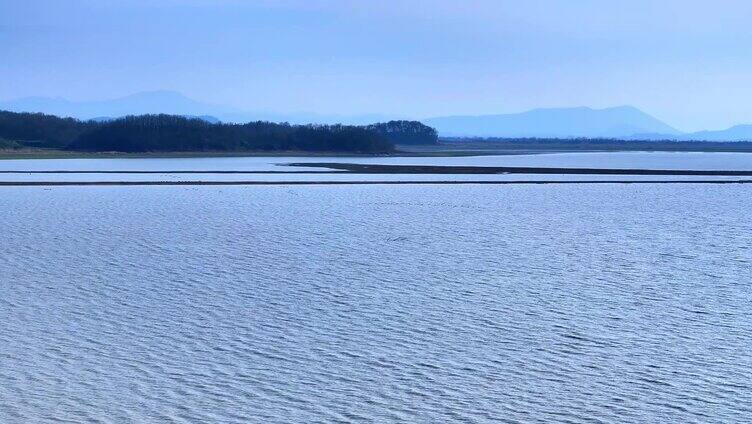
[
  {"x": 39, "y": 130},
  {"x": 166, "y": 133},
  {"x": 153, "y": 133}
]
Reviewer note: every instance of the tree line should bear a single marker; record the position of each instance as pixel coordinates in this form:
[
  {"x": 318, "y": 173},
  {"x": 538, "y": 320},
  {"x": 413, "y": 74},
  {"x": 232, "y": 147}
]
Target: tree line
[
  {"x": 406, "y": 132},
  {"x": 172, "y": 133}
]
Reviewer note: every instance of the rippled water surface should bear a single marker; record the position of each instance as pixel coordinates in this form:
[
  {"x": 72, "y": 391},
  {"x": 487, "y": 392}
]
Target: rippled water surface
[{"x": 582, "y": 303}]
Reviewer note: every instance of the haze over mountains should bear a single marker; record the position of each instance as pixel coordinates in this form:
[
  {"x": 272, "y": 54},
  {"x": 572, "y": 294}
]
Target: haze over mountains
[
  {"x": 617, "y": 122},
  {"x": 624, "y": 122},
  {"x": 170, "y": 102}
]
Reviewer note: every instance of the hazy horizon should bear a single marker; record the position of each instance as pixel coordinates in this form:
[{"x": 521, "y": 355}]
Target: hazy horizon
[
  {"x": 293, "y": 111},
  {"x": 685, "y": 63}
]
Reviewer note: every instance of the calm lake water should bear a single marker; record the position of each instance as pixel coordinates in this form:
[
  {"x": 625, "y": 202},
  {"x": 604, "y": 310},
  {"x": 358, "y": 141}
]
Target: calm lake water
[
  {"x": 639, "y": 160},
  {"x": 625, "y": 160},
  {"x": 581, "y": 303}
]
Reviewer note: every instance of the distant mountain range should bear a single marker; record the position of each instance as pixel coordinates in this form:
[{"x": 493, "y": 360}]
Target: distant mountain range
[
  {"x": 623, "y": 122},
  {"x": 735, "y": 133},
  {"x": 616, "y": 122},
  {"x": 141, "y": 103},
  {"x": 173, "y": 103}
]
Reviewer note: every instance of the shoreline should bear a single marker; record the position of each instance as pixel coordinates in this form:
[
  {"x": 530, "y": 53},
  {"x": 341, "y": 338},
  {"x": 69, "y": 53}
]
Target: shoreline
[
  {"x": 442, "y": 150},
  {"x": 335, "y": 168},
  {"x": 328, "y": 183},
  {"x": 66, "y": 154}
]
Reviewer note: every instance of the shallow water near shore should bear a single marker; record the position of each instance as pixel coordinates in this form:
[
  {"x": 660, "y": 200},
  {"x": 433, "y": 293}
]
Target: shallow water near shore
[
  {"x": 583, "y": 303},
  {"x": 639, "y": 160},
  {"x": 277, "y": 169}
]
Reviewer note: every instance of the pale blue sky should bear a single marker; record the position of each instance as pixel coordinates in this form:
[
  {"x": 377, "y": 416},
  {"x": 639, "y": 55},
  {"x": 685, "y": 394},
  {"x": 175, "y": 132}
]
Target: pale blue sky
[{"x": 688, "y": 62}]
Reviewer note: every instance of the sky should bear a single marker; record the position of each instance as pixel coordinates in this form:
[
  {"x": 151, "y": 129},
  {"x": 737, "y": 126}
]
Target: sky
[{"x": 687, "y": 62}]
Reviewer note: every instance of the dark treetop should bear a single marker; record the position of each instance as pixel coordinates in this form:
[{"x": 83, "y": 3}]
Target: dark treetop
[{"x": 407, "y": 132}]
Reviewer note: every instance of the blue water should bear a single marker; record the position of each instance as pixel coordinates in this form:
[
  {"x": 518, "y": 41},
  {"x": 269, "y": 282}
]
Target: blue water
[
  {"x": 630, "y": 160},
  {"x": 583, "y": 303},
  {"x": 624, "y": 160}
]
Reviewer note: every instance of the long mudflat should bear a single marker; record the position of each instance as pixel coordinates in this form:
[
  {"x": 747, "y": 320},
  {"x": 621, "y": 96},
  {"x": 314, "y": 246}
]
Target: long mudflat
[
  {"x": 355, "y": 168},
  {"x": 430, "y": 169}
]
